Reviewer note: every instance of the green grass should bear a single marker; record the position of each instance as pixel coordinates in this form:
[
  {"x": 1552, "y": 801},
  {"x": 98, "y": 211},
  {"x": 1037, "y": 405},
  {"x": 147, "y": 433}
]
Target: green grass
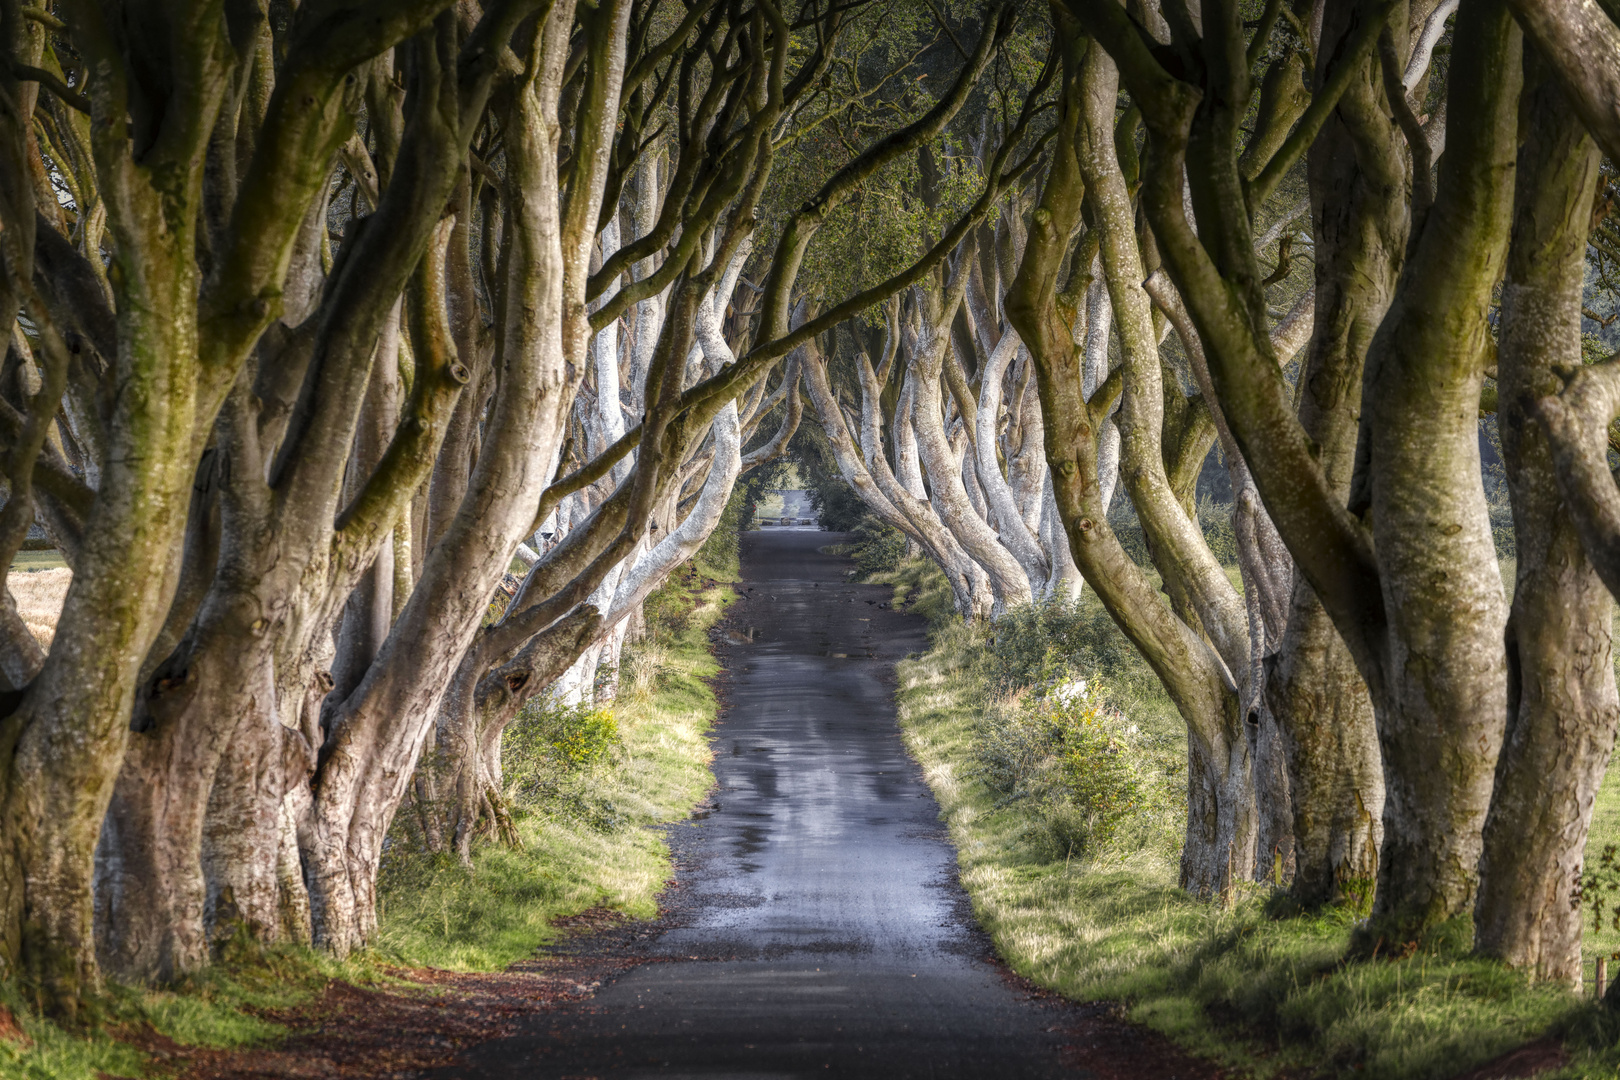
[
  {"x": 438, "y": 913},
  {"x": 1265, "y": 996},
  {"x": 217, "y": 1009},
  {"x": 1604, "y": 941}
]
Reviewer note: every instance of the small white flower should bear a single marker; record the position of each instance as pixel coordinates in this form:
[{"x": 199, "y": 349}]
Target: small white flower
[{"x": 1067, "y": 693}]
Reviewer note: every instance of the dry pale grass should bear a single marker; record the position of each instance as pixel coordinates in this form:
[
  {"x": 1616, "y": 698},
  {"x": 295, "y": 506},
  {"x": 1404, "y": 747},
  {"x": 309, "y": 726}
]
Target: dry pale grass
[{"x": 39, "y": 597}]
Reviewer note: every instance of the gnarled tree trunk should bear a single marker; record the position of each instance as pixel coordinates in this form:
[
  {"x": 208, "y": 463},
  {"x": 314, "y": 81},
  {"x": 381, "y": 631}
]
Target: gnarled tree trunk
[{"x": 1562, "y": 704}]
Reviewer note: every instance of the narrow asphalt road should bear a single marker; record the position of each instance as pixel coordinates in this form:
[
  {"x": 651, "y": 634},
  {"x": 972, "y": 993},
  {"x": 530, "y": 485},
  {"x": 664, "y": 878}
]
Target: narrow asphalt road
[{"x": 817, "y": 926}]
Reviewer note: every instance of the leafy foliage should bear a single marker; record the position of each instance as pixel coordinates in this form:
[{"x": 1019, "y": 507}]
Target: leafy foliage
[
  {"x": 1084, "y": 769},
  {"x": 1054, "y": 639},
  {"x": 1216, "y": 521},
  {"x": 567, "y": 738},
  {"x": 876, "y": 547},
  {"x": 745, "y": 500}
]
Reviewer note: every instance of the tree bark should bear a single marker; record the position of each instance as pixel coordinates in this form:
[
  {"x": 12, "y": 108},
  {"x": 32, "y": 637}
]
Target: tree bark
[
  {"x": 1562, "y": 704},
  {"x": 926, "y": 345},
  {"x": 1444, "y": 688},
  {"x": 1220, "y": 821}
]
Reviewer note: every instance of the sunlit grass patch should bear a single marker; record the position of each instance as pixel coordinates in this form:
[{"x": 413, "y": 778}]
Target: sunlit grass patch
[
  {"x": 224, "y": 1007},
  {"x": 587, "y": 844}
]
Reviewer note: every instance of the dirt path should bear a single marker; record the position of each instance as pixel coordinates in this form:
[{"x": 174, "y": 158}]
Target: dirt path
[{"x": 816, "y": 926}]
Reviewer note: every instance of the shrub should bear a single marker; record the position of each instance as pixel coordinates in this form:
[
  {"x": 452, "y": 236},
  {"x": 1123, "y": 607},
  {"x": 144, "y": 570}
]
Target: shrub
[
  {"x": 1082, "y": 767},
  {"x": 559, "y": 738},
  {"x": 1034, "y": 643},
  {"x": 837, "y": 507},
  {"x": 555, "y": 758},
  {"x": 1215, "y": 518},
  {"x": 1080, "y": 732},
  {"x": 1127, "y": 528},
  {"x": 877, "y": 548}
]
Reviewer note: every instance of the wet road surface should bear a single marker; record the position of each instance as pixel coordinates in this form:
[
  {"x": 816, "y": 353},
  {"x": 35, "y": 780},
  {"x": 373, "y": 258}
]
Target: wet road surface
[{"x": 818, "y": 929}]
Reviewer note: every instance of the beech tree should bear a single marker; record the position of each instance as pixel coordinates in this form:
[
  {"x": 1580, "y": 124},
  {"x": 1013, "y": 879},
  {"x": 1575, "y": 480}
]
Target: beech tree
[
  {"x": 1347, "y": 712},
  {"x": 321, "y": 316},
  {"x": 1403, "y": 563},
  {"x": 318, "y": 317}
]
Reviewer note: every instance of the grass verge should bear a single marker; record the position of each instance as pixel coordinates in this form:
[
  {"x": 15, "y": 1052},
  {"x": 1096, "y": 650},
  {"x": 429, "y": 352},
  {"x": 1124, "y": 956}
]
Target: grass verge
[
  {"x": 222, "y": 1008},
  {"x": 1265, "y": 996},
  {"x": 589, "y": 845}
]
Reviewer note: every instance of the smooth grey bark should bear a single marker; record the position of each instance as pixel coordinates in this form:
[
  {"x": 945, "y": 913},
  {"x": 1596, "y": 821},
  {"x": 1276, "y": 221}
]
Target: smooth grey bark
[
  {"x": 924, "y": 344},
  {"x": 1013, "y": 529},
  {"x": 1313, "y": 687},
  {"x": 375, "y": 735},
  {"x": 1562, "y": 703},
  {"x": 900, "y": 504}
]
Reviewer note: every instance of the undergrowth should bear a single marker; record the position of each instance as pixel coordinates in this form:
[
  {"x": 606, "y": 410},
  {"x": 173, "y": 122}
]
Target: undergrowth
[
  {"x": 584, "y": 785},
  {"x": 223, "y": 1007},
  {"x": 1261, "y": 994}
]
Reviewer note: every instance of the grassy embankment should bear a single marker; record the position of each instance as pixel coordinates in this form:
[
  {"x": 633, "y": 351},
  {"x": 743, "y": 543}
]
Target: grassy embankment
[
  {"x": 586, "y": 836},
  {"x": 588, "y": 841},
  {"x": 1266, "y": 995}
]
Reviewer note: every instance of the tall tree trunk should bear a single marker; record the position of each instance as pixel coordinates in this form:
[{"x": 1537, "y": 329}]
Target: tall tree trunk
[
  {"x": 1220, "y": 823},
  {"x": 1444, "y": 688},
  {"x": 1358, "y": 179},
  {"x": 1014, "y": 531},
  {"x": 926, "y": 348},
  {"x": 376, "y": 735},
  {"x": 1562, "y": 704},
  {"x": 70, "y": 730}
]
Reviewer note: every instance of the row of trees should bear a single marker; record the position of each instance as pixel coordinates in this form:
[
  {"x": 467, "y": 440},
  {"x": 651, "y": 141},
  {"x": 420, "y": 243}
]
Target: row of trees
[
  {"x": 1367, "y": 711},
  {"x": 326, "y": 311}
]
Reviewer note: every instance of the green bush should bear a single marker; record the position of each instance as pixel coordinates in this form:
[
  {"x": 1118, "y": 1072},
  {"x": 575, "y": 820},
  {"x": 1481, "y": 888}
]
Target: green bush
[
  {"x": 1127, "y": 529},
  {"x": 1087, "y": 774},
  {"x": 1215, "y": 518},
  {"x": 837, "y": 507},
  {"x": 1035, "y": 643},
  {"x": 877, "y": 548},
  {"x": 566, "y": 738},
  {"x": 553, "y": 757},
  {"x": 1079, "y": 731}
]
